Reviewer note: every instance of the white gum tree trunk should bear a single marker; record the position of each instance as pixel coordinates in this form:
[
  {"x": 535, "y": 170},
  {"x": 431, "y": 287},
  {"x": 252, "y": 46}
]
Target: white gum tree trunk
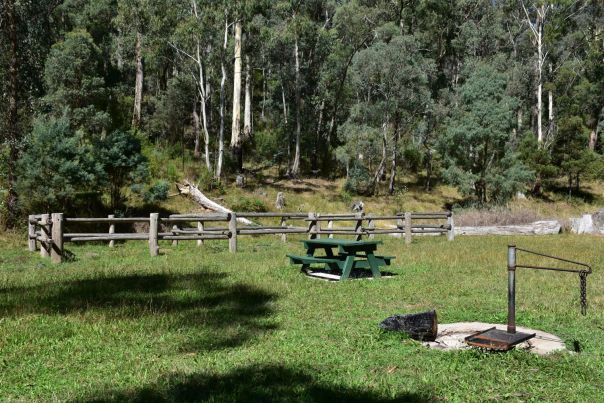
[
  {"x": 247, "y": 104},
  {"x": 138, "y": 83},
  {"x": 295, "y": 171},
  {"x": 222, "y": 99},
  {"x": 236, "y": 122}
]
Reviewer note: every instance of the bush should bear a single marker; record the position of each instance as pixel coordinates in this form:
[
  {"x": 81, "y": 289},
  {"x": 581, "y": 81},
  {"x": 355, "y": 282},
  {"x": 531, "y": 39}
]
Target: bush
[
  {"x": 249, "y": 205},
  {"x": 267, "y": 144},
  {"x": 123, "y": 163},
  {"x": 359, "y": 181},
  {"x": 156, "y": 192},
  {"x": 55, "y": 166}
]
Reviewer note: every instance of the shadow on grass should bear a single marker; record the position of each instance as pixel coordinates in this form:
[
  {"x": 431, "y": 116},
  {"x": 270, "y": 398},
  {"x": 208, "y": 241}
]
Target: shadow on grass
[
  {"x": 250, "y": 384},
  {"x": 580, "y": 195},
  {"x": 220, "y": 315}
]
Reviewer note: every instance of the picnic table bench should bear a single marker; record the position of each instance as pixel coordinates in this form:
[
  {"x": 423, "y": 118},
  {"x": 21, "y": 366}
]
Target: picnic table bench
[{"x": 350, "y": 255}]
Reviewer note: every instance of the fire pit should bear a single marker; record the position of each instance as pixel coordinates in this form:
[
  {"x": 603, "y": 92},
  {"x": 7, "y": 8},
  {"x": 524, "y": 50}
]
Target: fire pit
[
  {"x": 504, "y": 340},
  {"x": 452, "y": 336}
]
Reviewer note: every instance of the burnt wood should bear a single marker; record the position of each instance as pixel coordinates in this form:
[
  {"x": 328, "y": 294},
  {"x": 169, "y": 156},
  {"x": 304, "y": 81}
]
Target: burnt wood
[{"x": 419, "y": 326}]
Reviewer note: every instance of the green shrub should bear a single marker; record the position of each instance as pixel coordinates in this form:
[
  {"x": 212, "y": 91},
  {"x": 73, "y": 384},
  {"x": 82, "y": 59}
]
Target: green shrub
[
  {"x": 267, "y": 144},
  {"x": 55, "y": 166},
  {"x": 156, "y": 192},
  {"x": 247, "y": 204},
  {"x": 122, "y": 162},
  {"x": 359, "y": 181}
]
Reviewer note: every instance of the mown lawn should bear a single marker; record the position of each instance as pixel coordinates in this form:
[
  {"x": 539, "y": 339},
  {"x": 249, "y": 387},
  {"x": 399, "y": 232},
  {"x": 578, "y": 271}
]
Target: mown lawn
[{"x": 203, "y": 324}]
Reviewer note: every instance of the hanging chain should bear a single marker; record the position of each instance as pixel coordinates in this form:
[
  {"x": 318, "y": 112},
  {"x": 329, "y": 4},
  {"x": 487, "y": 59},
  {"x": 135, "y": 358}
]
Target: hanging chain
[
  {"x": 583, "y": 272},
  {"x": 583, "y": 289}
]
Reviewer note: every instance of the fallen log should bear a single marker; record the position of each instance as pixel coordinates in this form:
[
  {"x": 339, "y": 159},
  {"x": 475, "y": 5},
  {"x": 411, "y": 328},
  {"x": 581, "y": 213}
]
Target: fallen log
[
  {"x": 421, "y": 326},
  {"x": 193, "y": 191},
  {"x": 535, "y": 228}
]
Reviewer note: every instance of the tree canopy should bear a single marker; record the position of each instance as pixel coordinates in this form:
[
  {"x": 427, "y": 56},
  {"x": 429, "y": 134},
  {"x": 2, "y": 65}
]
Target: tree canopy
[{"x": 492, "y": 96}]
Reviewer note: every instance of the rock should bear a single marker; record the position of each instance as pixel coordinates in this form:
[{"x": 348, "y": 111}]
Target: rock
[
  {"x": 598, "y": 221},
  {"x": 520, "y": 196},
  {"x": 240, "y": 181},
  {"x": 583, "y": 225}
]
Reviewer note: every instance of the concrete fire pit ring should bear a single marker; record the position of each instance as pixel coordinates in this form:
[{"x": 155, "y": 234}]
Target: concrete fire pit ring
[{"x": 451, "y": 337}]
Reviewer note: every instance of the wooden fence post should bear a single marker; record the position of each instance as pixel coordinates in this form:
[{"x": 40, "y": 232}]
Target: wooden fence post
[
  {"x": 358, "y": 226},
  {"x": 111, "y": 230},
  {"x": 283, "y": 225},
  {"x": 153, "y": 229},
  {"x": 56, "y": 248},
  {"x": 233, "y": 230},
  {"x": 330, "y": 226},
  {"x": 370, "y": 226},
  {"x": 174, "y": 229},
  {"x": 45, "y": 235},
  {"x": 312, "y": 226},
  {"x": 407, "y": 228},
  {"x": 451, "y": 233},
  {"x": 31, "y": 233},
  {"x": 199, "y": 228}
]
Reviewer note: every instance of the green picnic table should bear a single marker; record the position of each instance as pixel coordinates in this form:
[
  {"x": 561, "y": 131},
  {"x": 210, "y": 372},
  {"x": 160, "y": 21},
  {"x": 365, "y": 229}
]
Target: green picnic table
[{"x": 350, "y": 255}]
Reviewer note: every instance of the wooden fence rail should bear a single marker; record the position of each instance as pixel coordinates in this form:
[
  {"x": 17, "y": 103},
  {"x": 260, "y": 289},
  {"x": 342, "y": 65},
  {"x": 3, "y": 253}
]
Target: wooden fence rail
[{"x": 48, "y": 230}]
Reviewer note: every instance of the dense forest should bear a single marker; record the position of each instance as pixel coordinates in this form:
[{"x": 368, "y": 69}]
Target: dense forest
[{"x": 491, "y": 96}]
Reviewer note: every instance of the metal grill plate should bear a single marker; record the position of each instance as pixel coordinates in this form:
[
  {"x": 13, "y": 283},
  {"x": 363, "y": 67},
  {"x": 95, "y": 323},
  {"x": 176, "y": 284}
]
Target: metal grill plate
[{"x": 495, "y": 339}]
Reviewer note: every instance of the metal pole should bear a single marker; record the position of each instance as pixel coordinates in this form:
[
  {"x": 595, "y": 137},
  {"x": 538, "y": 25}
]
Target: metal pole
[{"x": 511, "y": 288}]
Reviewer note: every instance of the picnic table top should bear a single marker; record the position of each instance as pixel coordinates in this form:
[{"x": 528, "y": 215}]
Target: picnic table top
[{"x": 340, "y": 242}]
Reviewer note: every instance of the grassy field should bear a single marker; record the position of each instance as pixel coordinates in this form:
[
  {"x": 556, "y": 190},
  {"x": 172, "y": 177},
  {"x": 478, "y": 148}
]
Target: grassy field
[{"x": 203, "y": 324}]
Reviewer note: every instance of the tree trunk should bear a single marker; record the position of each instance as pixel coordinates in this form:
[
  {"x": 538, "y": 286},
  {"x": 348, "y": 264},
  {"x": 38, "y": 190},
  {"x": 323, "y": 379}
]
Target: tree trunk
[
  {"x": 419, "y": 326},
  {"x": 537, "y": 31},
  {"x": 288, "y": 140},
  {"x": 550, "y": 112},
  {"x": 204, "y": 116},
  {"x": 428, "y": 184},
  {"x": 593, "y": 139},
  {"x": 295, "y": 171},
  {"x": 189, "y": 189},
  {"x": 196, "y": 152},
  {"x": 236, "y": 123},
  {"x": 247, "y": 104},
  {"x": 393, "y": 167},
  {"x": 222, "y": 100},
  {"x": 138, "y": 85},
  {"x": 315, "y": 154},
  {"x": 12, "y": 113},
  {"x": 379, "y": 173},
  {"x": 264, "y": 90}
]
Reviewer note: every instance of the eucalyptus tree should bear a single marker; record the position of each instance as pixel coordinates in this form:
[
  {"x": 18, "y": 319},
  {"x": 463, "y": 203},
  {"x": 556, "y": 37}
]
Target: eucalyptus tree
[
  {"x": 392, "y": 78},
  {"x": 26, "y": 33},
  {"x": 132, "y": 21},
  {"x": 193, "y": 40},
  {"x": 75, "y": 83},
  {"x": 476, "y": 145}
]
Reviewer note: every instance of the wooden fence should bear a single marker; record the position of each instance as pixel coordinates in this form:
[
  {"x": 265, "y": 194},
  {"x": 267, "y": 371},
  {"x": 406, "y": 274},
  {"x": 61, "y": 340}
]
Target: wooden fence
[{"x": 48, "y": 230}]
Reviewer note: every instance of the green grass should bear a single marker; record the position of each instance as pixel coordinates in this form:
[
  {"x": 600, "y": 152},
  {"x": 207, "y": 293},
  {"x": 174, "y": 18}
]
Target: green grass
[{"x": 203, "y": 324}]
